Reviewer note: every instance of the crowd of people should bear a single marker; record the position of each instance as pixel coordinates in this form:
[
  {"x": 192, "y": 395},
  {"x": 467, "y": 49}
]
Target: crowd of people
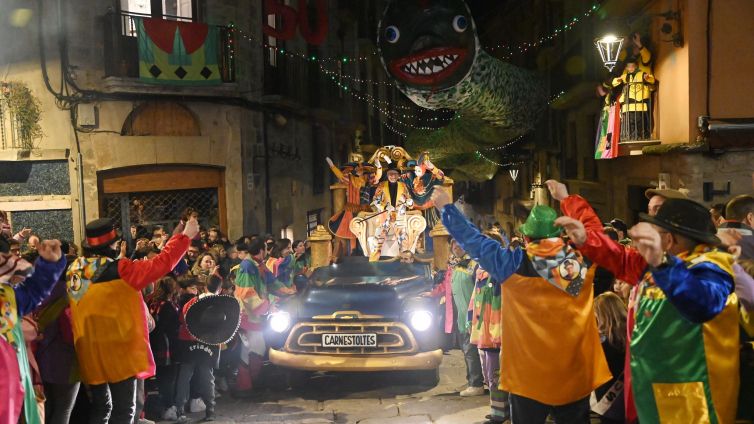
[
  {"x": 568, "y": 318},
  {"x": 576, "y": 318},
  {"x": 115, "y": 313}
]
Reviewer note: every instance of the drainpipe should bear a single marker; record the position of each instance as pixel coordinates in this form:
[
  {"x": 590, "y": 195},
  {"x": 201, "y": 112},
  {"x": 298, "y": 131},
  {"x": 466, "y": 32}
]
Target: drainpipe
[{"x": 79, "y": 175}]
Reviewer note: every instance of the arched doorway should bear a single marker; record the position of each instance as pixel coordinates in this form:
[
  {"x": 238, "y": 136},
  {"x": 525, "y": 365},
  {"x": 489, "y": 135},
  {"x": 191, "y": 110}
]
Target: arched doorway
[{"x": 158, "y": 195}]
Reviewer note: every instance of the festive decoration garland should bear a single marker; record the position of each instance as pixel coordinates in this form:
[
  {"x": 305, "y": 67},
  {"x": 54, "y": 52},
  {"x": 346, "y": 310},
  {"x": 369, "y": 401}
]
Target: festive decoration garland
[{"x": 524, "y": 47}]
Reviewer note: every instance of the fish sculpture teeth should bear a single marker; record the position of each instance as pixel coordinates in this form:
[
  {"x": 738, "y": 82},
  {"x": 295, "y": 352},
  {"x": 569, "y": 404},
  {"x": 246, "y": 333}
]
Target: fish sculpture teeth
[{"x": 431, "y": 51}]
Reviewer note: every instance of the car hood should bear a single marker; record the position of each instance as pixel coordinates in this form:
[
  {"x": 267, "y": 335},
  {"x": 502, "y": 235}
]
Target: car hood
[{"x": 368, "y": 299}]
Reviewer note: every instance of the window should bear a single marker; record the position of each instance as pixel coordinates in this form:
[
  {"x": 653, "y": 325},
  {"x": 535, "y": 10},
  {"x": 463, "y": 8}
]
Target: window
[
  {"x": 182, "y": 10},
  {"x": 274, "y": 22},
  {"x": 287, "y": 233},
  {"x": 142, "y": 7},
  {"x": 177, "y": 10},
  {"x": 313, "y": 218}
]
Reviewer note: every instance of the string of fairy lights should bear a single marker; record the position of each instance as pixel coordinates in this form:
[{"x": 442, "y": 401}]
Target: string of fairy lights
[
  {"x": 557, "y": 32},
  {"x": 321, "y": 60},
  {"x": 505, "y": 146},
  {"x": 399, "y": 113}
]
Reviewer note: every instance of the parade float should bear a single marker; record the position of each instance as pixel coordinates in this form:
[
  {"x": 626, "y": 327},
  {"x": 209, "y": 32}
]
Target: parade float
[{"x": 364, "y": 312}]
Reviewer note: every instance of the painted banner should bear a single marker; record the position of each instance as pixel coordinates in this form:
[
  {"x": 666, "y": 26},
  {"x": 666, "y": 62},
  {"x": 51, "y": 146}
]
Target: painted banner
[
  {"x": 608, "y": 132},
  {"x": 183, "y": 53}
]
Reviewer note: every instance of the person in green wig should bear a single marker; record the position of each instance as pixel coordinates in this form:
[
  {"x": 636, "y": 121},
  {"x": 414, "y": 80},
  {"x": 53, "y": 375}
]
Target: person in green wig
[{"x": 549, "y": 333}]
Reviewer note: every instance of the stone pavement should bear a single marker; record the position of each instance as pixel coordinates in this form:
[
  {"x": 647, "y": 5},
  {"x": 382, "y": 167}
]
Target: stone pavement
[{"x": 366, "y": 398}]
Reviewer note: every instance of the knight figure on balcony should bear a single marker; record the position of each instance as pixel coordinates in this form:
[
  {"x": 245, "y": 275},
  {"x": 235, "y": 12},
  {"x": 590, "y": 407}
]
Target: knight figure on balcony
[
  {"x": 636, "y": 101},
  {"x": 392, "y": 200}
]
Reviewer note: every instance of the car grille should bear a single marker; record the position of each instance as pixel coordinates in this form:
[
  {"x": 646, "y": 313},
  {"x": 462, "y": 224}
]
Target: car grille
[{"x": 392, "y": 338}]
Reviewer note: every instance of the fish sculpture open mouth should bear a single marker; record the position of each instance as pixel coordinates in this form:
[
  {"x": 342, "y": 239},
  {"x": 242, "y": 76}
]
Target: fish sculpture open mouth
[{"x": 430, "y": 66}]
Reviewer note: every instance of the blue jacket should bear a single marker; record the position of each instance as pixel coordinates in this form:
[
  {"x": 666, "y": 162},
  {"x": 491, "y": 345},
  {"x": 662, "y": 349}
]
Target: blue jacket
[
  {"x": 32, "y": 291},
  {"x": 497, "y": 260}
]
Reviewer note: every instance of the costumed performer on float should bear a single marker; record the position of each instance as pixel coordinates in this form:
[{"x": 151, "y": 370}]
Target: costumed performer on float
[
  {"x": 392, "y": 200},
  {"x": 109, "y": 316},
  {"x": 355, "y": 177},
  {"x": 549, "y": 333},
  {"x": 22, "y": 288},
  {"x": 421, "y": 180}
]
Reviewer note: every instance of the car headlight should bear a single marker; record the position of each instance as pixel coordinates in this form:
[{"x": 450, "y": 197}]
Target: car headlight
[
  {"x": 280, "y": 321},
  {"x": 420, "y": 320}
]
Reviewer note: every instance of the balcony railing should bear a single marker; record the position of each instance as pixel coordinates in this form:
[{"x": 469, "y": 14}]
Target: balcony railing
[
  {"x": 122, "y": 52},
  {"x": 636, "y": 117}
]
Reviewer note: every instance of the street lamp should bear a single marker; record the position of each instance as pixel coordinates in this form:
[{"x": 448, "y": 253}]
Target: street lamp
[{"x": 609, "y": 47}]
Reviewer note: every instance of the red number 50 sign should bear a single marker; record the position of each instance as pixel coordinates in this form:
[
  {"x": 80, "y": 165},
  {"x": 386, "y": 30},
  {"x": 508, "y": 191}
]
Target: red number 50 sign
[{"x": 290, "y": 19}]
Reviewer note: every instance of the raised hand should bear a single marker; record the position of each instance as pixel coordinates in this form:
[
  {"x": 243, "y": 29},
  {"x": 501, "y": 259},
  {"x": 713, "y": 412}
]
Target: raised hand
[
  {"x": 648, "y": 242},
  {"x": 636, "y": 38},
  {"x": 440, "y": 198},
  {"x": 329, "y": 161},
  {"x": 574, "y": 229},
  {"x": 49, "y": 250},
  {"x": 192, "y": 228},
  {"x": 558, "y": 190}
]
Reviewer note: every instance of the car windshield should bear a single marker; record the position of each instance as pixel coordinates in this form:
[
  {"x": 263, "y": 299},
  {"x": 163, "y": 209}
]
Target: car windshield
[{"x": 361, "y": 272}]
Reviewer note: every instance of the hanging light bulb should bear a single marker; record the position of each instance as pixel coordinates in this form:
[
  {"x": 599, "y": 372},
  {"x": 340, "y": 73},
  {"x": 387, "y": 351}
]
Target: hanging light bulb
[
  {"x": 514, "y": 174},
  {"x": 609, "y": 47}
]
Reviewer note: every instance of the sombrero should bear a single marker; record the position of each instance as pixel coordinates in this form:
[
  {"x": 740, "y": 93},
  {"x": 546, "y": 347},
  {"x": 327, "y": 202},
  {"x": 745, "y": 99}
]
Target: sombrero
[{"x": 213, "y": 319}]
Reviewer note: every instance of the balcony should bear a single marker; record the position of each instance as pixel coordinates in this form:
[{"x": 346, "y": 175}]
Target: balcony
[
  {"x": 636, "y": 118},
  {"x": 122, "y": 52},
  {"x": 297, "y": 83}
]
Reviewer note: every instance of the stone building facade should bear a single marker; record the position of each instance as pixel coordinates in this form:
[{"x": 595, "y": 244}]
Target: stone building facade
[{"x": 249, "y": 152}]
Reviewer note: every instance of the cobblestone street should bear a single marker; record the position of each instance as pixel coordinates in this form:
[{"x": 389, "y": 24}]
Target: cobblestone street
[{"x": 360, "y": 398}]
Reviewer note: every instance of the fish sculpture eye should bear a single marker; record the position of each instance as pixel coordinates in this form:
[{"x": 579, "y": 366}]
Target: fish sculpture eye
[
  {"x": 392, "y": 34},
  {"x": 460, "y": 23}
]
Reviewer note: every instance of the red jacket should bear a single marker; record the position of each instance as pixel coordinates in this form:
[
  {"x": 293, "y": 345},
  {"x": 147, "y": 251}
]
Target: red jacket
[{"x": 625, "y": 263}]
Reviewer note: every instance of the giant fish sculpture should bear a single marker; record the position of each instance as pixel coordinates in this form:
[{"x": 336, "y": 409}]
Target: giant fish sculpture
[{"x": 431, "y": 50}]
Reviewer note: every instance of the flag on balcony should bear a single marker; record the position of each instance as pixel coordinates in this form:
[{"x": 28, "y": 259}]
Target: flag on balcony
[
  {"x": 608, "y": 132},
  {"x": 172, "y": 52}
]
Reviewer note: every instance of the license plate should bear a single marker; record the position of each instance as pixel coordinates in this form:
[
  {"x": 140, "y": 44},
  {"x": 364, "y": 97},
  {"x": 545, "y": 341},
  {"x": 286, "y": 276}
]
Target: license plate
[{"x": 349, "y": 340}]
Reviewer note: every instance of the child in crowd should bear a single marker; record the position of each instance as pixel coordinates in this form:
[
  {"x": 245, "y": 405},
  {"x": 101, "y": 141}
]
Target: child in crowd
[
  {"x": 607, "y": 400},
  {"x": 163, "y": 305},
  {"x": 197, "y": 360}
]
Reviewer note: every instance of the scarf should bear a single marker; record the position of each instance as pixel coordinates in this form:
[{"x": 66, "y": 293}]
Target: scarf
[{"x": 558, "y": 263}]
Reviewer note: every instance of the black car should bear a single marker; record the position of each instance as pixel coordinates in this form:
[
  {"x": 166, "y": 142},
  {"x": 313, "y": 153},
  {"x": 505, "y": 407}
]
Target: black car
[{"x": 360, "y": 316}]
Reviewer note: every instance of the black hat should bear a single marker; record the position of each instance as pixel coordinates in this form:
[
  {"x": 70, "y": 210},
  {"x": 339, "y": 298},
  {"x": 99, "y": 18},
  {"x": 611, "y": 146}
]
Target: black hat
[
  {"x": 687, "y": 218},
  {"x": 100, "y": 233},
  {"x": 392, "y": 166},
  {"x": 213, "y": 319},
  {"x": 619, "y": 225}
]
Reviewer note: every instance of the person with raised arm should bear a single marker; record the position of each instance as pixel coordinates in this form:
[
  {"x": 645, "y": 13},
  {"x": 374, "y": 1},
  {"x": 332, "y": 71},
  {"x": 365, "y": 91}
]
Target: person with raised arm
[
  {"x": 684, "y": 303},
  {"x": 549, "y": 333},
  {"x": 22, "y": 288},
  {"x": 109, "y": 316}
]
